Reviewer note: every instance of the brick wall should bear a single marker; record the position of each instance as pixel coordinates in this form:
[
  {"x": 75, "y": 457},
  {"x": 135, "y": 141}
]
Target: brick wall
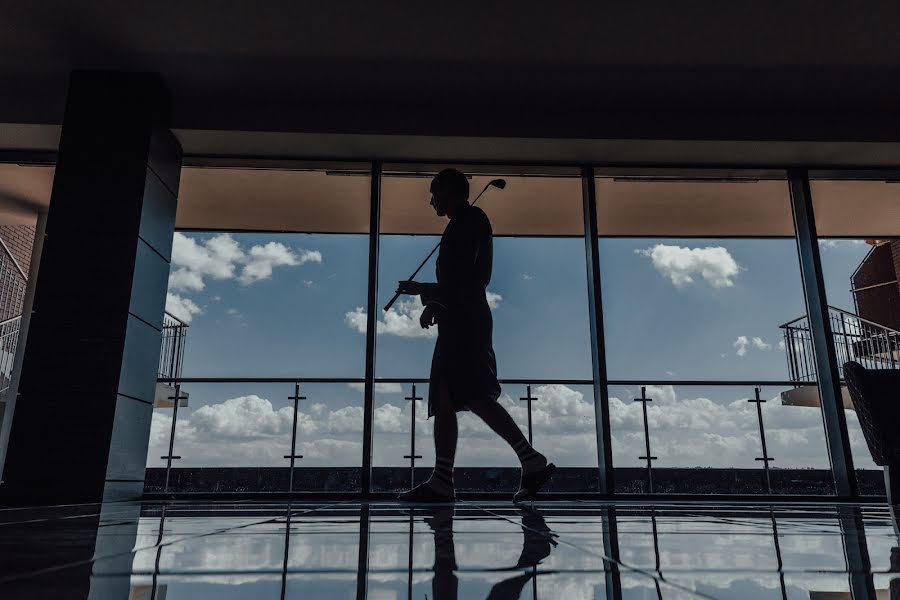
[{"x": 19, "y": 239}]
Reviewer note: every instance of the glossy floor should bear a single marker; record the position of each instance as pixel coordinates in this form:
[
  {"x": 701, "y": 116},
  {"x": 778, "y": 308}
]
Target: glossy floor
[{"x": 570, "y": 550}]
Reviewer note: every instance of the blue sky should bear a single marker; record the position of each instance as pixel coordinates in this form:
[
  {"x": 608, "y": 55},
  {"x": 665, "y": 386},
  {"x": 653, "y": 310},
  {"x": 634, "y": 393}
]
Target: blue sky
[{"x": 286, "y": 305}]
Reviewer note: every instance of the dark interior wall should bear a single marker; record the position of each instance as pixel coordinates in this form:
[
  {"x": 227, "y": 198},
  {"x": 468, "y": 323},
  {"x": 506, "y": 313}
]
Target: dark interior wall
[{"x": 704, "y": 69}]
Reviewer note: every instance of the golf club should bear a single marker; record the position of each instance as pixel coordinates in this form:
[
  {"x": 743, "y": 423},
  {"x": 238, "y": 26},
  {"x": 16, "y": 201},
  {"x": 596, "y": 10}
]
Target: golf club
[{"x": 497, "y": 183}]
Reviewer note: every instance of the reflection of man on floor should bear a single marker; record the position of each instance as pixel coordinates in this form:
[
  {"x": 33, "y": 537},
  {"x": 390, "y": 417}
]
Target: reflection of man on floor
[
  {"x": 464, "y": 368},
  {"x": 535, "y": 548}
]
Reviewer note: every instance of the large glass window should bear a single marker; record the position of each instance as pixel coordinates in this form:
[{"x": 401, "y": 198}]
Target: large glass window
[
  {"x": 700, "y": 273},
  {"x": 539, "y": 302},
  {"x": 268, "y": 261},
  {"x": 858, "y": 223}
]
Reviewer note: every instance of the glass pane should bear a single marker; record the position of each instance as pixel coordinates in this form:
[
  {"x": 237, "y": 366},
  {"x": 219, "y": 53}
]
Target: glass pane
[
  {"x": 707, "y": 440},
  {"x": 861, "y": 269},
  {"x": 234, "y": 437},
  {"x": 262, "y": 304},
  {"x": 699, "y": 309},
  {"x": 539, "y": 304}
]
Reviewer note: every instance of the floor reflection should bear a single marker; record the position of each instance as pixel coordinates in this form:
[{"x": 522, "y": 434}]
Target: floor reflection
[{"x": 179, "y": 550}]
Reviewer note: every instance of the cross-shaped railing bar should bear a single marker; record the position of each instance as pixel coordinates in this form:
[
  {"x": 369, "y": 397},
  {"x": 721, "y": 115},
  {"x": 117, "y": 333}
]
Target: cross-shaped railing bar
[
  {"x": 765, "y": 458},
  {"x": 293, "y": 455},
  {"x": 648, "y": 457},
  {"x": 528, "y": 398},
  {"x": 176, "y": 400},
  {"x": 412, "y": 456}
]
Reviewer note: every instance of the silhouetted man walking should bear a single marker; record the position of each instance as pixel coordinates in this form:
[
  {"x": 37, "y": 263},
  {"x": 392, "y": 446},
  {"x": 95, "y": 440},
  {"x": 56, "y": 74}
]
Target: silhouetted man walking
[{"x": 464, "y": 368}]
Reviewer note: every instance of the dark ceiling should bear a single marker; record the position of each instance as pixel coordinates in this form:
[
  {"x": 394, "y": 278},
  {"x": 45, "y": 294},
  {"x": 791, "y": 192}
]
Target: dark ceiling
[{"x": 703, "y": 69}]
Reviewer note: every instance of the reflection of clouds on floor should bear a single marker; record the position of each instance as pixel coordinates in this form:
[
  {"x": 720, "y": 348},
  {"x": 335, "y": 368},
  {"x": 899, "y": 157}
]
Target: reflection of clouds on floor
[
  {"x": 686, "y": 432},
  {"x": 720, "y": 555}
]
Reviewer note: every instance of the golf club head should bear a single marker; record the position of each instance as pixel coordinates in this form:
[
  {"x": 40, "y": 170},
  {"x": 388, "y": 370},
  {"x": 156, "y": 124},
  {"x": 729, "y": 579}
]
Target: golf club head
[{"x": 498, "y": 183}]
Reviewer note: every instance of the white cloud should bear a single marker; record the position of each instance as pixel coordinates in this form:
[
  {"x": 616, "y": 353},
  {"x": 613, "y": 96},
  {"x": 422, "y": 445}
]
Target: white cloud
[
  {"x": 380, "y": 388},
  {"x": 183, "y": 308},
  {"x": 719, "y": 431},
  {"x": 527, "y": 276},
  {"x": 493, "y": 300},
  {"x": 220, "y": 257},
  {"x": 403, "y": 318},
  {"x": 713, "y": 263},
  {"x": 743, "y": 344},
  {"x": 832, "y": 244},
  {"x": 759, "y": 344},
  {"x": 261, "y": 260},
  {"x": 245, "y": 416}
]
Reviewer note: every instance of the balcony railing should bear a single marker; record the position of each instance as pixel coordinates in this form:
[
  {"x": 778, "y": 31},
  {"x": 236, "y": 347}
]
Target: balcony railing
[
  {"x": 9, "y": 339},
  {"x": 866, "y": 342},
  {"x": 171, "y": 352},
  {"x": 302, "y": 389}
]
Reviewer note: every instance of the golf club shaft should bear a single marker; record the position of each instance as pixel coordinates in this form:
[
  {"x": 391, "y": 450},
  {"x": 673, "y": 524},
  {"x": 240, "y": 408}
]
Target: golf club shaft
[{"x": 388, "y": 306}]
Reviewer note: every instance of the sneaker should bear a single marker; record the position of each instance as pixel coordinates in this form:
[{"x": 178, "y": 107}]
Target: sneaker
[
  {"x": 424, "y": 493},
  {"x": 531, "y": 483}
]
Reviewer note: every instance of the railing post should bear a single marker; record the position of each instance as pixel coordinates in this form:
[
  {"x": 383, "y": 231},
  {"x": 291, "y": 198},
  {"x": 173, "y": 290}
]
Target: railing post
[
  {"x": 766, "y": 459},
  {"x": 176, "y": 399},
  {"x": 598, "y": 348},
  {"x": 648, "y": 457},
  {"x": 529, "y": 399},
  {"x": 372, "y": 311},
  {"x": 412, "y": 456},
  {"x": 822, "y": 338},
  {"x": 293, "y": 455}
]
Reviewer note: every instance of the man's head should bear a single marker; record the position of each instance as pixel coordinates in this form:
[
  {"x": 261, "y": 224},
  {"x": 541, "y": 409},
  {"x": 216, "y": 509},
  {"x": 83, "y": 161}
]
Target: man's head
[{"x": 449, "y": 189}]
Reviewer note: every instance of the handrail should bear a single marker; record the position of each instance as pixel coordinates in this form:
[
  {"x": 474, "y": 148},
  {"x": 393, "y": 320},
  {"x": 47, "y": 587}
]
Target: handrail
[
  {"x": 10, "y": 320},
  {"x": 180, "y": 322},
  {"x": 516, "y": 381},
  {"x": 13, "y": 258},
  {"x": 844, "y": 312}
]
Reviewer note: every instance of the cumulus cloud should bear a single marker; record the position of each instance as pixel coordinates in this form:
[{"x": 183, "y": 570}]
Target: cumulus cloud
[
  {"x": 716, "y": 431},
  {"x": 832, "y": 244},
  {"x": 403, "y": 318},
  {"x": 759, "y": 344},
  {"x": 261, "y": 260},
  {"x": 221, "y": 257},
  {"x": 380, "y": 388},
  {"x": 493, "y": 300},
  {"x": 714, "y": 264},
  {"x": 743, "y": 344},
  {"x": 182, "y": 308}
]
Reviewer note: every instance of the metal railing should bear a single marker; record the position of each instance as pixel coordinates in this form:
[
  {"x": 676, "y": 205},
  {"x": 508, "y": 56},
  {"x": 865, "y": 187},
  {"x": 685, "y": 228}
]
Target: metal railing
[
  {"x": 171, "y": 352},
  {"x": 411, "y": 392},
  {"x": 871, "y": 344},
  {"x": 13, "y": 282},
  {"x": 9, "y": 340}
]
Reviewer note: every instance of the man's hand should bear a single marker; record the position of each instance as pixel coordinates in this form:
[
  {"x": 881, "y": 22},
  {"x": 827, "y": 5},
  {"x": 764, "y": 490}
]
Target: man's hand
[
  {"x": 412, "y": 288},
  {"x": 429, "y": 317}
]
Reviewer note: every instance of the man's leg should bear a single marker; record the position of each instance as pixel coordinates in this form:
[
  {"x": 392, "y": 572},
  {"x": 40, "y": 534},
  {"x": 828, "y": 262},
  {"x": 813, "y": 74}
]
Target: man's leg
[
  {"x": 440, "y": 485},
  {"x": 498, "y": 419},
  {"x": 446, "y": 433}
]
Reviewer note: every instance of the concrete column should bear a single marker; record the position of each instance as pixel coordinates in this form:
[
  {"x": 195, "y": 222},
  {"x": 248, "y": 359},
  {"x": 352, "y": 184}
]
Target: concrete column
[{"x": 82, "y": 418}]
